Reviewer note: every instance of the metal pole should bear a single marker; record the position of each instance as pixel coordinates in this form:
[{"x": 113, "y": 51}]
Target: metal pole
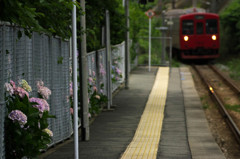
[
  {"x": 109, "y": 59},
  {"x": 149, "y": 47},
  {"x": 127, "y": 44},
  {"x": 84, "y": 79},
  {"x": 75, "y": 88},
  {"x": 163, "y": 41}
]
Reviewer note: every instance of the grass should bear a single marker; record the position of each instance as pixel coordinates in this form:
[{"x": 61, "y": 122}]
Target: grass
[
  {"x": 233, "y": 65},
  {"x": 205, "y": 106},
  {"x": 235, "y": 108}
]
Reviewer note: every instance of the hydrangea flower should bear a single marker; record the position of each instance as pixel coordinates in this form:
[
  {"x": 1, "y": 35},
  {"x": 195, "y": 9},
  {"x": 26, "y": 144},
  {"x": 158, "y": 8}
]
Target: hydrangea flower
[
  {"x": 71, "y": 111},
  {"x": 20, "y": 117},
  {"x": 102, "y": 71},
  {"x": 9, "y": 88},
  {"x": 25, "y": 85},
  {"x": 13, "y": 84},
  {"x": 97, "y": 96},
  {"x": 49, "y": 132},
  {"x": 21, "y": 92},
  {"x": 71, "y": 89},
  {"x": 90, "y": 79},
  {"x": 118, "y": 71},
  {"x": 94, "y": 88},
  {"x": 44, "y": 91},
  {"x": 93, "y": 73},
  {"x": 41, "y": 105},
  {"x": 46, "y": 105}
]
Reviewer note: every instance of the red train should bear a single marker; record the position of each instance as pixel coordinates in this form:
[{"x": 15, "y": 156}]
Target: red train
[{"x": 196, "y": 36}]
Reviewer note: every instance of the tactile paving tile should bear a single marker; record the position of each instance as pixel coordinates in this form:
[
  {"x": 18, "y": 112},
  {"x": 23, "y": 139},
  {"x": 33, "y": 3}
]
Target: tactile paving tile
[{"x": 147, "y": 136}]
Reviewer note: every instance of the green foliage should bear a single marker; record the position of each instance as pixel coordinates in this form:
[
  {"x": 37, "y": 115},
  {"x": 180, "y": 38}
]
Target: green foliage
[
  {"x": 49, "y": 16},
  {"x": 95, "y": 15},
  {"x": 234, "y": 67},
  {"x": 96, "y": 98},
  {"x": 230, "y": 28},
  {"x": 235, "y": 108},
  {"x": 139, "y": 32}
]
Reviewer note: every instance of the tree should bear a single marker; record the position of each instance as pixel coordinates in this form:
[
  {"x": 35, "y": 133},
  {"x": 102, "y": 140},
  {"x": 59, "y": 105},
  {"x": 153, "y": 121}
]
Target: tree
[
  {"x": 229, "y": 19},
  {"x": 49, "y": 16}
]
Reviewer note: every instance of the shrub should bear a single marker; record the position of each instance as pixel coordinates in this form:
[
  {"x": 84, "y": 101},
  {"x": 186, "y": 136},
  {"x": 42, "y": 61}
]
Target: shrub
[{"x": 26, "y": 122}]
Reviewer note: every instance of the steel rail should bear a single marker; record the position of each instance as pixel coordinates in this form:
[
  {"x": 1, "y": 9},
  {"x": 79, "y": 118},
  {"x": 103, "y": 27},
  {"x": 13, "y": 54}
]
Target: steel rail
[
  {"x": 228, "y": 81},
  {"x": 222, "y": 109}
]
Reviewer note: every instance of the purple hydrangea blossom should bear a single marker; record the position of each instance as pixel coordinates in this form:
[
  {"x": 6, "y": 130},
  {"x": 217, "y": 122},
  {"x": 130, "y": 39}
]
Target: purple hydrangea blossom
[
  {"x": 118, "y": 71},
  {"x": 40, "y": 103},
  {"x": 102, "y": 71},
  {"x": 20, "y": 117},
  {"x": 46, "y": 105}
]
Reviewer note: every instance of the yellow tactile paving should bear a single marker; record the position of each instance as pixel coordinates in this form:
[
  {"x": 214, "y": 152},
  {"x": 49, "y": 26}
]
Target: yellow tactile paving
[{"x": 146, "y": 139}]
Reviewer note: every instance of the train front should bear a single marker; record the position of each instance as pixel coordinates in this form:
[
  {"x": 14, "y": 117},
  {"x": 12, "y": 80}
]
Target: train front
[{"x": 199, "y": 36}]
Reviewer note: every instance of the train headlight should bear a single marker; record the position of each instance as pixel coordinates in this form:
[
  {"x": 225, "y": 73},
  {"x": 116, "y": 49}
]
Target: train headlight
[
  {"x": 185, "y": 38},
  {"x": 214, "y": 37}
]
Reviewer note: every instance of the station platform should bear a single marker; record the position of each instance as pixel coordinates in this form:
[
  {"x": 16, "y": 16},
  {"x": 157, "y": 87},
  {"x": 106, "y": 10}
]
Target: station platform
[{"x": 159, "y": 116}]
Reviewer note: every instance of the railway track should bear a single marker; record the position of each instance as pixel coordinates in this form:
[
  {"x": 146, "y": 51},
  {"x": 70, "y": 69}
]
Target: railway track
[{"x": 210, "y": 83}]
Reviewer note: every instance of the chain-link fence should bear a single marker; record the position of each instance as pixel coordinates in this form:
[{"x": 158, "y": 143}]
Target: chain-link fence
[{"x": 37, "y": 58}]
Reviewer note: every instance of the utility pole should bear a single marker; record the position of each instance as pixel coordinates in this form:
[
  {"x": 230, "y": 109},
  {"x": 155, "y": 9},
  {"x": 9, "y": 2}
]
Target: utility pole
[
  {"x": 194, "y": 3},
  {"x": 109, "y": 62},
  {"x": 173, "y": 4},
  {"x": 127, "y": 44},
  {"x": 84, "y": 78}
]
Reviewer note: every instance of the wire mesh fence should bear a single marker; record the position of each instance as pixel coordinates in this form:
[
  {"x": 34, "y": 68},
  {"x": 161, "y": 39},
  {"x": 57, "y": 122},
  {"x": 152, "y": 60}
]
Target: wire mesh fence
[
  {"x": 48, "y": 59},
  {"x": 38, "y": 58}
]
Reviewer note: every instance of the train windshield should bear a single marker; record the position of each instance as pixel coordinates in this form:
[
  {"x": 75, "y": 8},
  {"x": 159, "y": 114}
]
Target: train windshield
[
  {"x": 199, "y": 28},
  {"x": 187, "y": 27},
  {"x": 211, "y": 26}
]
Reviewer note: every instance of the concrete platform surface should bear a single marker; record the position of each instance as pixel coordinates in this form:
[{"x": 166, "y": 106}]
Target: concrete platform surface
[{"x": 184, "y": 132}]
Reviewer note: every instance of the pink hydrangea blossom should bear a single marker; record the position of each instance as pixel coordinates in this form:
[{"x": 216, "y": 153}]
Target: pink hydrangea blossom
[
  {"x": 13, "y": 84},
  {"x": 44, "y": 91},
  {"x": 94, "y": 88},
  {"x": 21, "y": 92},
  {"x": 71, "y": 111},
  {"x": 71, "y": 89},
  {"x": 19, "y": 116},
  {"x": 93, "y": 73},
  {"x": 90, "y": 79}
]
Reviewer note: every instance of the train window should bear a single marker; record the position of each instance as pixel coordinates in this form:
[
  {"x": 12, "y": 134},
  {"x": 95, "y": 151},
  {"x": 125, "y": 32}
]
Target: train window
[
  {"x": 211, "y": 26},
  {"x": 199, "y": 28},
  {"x": 187, "y": 27}
]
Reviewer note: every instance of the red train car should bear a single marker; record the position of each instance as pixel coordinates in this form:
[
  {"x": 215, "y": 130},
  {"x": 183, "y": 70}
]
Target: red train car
[{"x": 199, "y": 36}]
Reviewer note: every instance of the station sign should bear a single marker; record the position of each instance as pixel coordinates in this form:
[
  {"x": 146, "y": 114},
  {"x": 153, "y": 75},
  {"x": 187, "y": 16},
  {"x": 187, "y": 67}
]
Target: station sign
[{"x": 150, "y": 13}]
